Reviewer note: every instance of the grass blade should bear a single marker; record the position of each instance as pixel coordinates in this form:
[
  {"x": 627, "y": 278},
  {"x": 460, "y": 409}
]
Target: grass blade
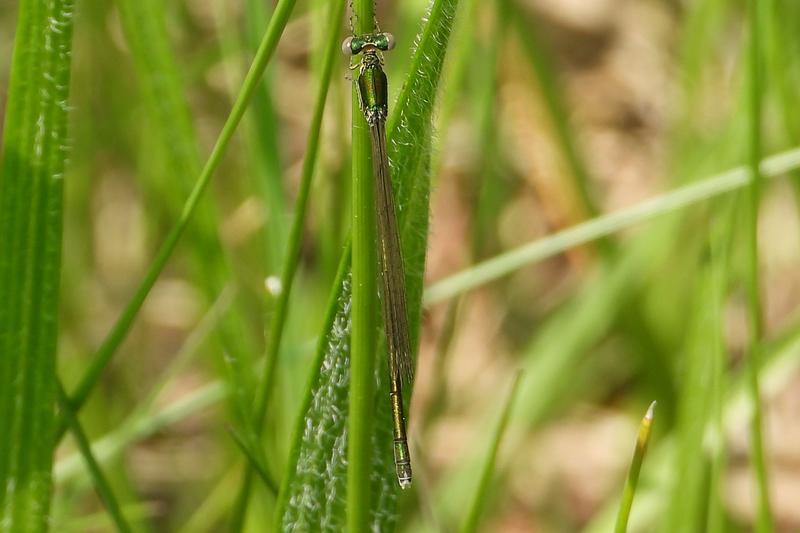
[
  {"x": 479, "y": 497},
  {"x": 551, "y": 91},
  {"x": 142, "y": 427},
  {"x": 363, "y": 317},
  {"x": 264, "y": 137},
  {"x": 122, "y": 326},
  {"x": 722, "y": 235},
  {"x": 292, "y": 255},
  {"x": 538, "y": 250},
  {"x": 755, "y": 313},
  {"x": 255, "y": 458},
  {"x": 695, "y": 407},
  {"x": 177, "y": 161},
  {"x": 31, "y": 184},
  {"x": 642, "y": 440},
  {"x": 782, "y": 358},
  {"x": 101, "y": 485}
]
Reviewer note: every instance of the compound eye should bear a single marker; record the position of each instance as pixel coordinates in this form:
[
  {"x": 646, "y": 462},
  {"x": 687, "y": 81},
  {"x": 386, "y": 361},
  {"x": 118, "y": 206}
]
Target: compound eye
[
  {"x": 347, "y": 46},
  {"x": 389, "y": 41}
]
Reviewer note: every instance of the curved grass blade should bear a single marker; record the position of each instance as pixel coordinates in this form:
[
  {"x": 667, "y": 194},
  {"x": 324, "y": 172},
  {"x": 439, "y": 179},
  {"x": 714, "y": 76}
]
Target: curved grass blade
[
  {"x": 307, "y": 498},
  {"x": 479, "y": 497},
  {"x": 456, "y": 70},
  {"x": 642, "y": 440},
  {"x": 31, "y": 183},
  {"x": 251, "y": 82}
]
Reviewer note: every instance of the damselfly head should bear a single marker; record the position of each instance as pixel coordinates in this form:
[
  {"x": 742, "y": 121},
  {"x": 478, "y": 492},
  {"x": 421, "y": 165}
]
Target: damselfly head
[{"x": 354, "y": 45}]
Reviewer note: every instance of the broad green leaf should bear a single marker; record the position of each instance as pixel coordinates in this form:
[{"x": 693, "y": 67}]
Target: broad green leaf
[
  {"x": 313, "y": 493},
  {"x": 34, "y": 154}
]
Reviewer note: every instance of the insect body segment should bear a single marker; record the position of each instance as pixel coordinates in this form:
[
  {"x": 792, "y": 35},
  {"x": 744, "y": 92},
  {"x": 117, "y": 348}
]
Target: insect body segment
[{"x": 373, "y": 89}]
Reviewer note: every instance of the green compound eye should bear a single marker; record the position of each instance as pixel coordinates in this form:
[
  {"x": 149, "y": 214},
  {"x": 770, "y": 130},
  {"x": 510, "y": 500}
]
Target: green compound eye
[
  {"x": 356, "y": 44},
  {"x": 389, "y": 41}
]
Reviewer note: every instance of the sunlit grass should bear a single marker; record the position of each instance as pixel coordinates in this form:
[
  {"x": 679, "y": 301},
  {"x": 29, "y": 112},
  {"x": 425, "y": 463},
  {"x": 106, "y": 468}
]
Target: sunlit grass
[{"x": 284, "y": 382}]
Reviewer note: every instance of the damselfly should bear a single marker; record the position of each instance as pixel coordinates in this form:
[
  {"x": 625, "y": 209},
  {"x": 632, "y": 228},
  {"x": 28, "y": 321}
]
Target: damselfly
[{"x": 372, "y": 88}]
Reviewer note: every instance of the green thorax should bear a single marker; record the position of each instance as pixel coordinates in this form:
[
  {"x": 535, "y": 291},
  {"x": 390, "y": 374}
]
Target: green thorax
[{"x": 373, "y": 88}]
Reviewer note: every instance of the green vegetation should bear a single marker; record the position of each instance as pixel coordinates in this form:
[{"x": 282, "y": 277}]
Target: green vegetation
[{"x": 603, "y": 196}]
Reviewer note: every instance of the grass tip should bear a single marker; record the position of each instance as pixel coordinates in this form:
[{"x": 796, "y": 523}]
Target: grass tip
[{"x": 650, "y": 411}]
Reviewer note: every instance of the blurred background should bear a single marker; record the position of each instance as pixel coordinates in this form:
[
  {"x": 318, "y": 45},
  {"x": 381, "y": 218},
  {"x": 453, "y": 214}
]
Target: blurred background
[{"x": 550, "y": 113}]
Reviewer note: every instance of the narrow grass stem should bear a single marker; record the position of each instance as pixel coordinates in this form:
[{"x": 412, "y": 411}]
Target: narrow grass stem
[
  {"x": 479, "y": 497},
  {"x": 538, "y": 250},
  {"x": 292, "y": 256},
  {"x": 723, "y": 232},
  {"x": 755, "y": 312},
  {"x": 143, "y": 426},
  {"x": 101, "y": 484},
  {"x": 551, "y": 91},
  {"x": 632, "y": 480},
  {"x": 255, "y": 458},
  {"x": 122, "y": 326},
  {"x": 364, "y": 307}
]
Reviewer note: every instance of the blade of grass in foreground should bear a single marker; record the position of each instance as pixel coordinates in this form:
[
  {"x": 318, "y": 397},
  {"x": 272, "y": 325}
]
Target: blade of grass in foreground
[
  {"x": 474, "y": 513},
  {"x": 291, "y": 258},
  {"x": 31, "y": 184},
  {"x": 363, "y": 315},
  {"x": 309, "y": 500},
  {"x": 642, "y": 440},
  {"x": 122, "y": 326}
]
